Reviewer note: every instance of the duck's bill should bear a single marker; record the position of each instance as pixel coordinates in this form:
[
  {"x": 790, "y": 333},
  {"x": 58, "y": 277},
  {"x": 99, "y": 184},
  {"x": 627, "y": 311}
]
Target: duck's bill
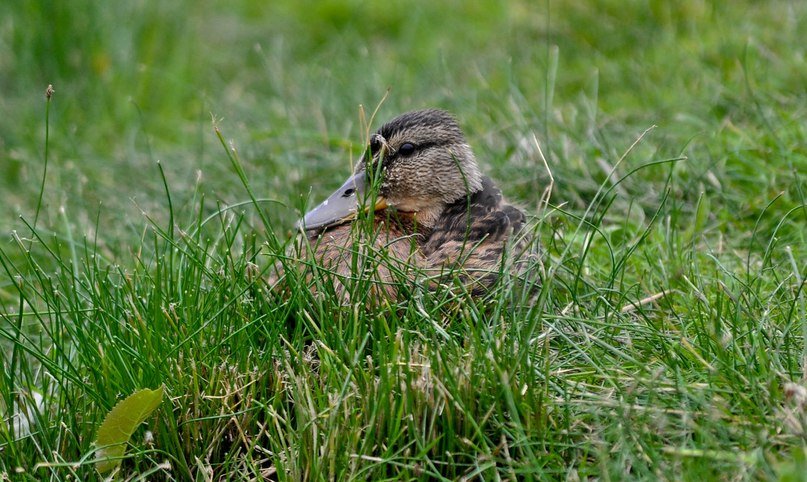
[{"x": 341, "y": 206}]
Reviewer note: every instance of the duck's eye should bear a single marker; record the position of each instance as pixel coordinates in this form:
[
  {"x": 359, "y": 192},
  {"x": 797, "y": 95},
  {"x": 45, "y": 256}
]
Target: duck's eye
[
  {"x": 406, "y": 149},
  {"x": 348, "y": 192}
]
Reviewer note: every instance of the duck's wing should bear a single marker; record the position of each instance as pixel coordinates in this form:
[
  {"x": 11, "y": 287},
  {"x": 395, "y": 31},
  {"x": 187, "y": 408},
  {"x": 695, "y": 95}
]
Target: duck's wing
[{"x": 474, "y": 234}]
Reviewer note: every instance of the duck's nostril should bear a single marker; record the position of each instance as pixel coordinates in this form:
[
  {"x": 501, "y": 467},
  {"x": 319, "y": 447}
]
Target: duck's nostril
[{"x": 348, "y": 192}]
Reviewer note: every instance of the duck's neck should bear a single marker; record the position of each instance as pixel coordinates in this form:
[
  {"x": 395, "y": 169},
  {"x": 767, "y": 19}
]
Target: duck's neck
[
  {"x": 426, "y": 219},
  {"x": 476, "y": 204},
  {"x": 441, "y": 216},
  {"x": 420, "y": 223}
]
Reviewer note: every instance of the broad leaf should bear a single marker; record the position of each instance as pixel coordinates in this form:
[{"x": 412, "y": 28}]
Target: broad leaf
[{"x": 119, "y": 425}]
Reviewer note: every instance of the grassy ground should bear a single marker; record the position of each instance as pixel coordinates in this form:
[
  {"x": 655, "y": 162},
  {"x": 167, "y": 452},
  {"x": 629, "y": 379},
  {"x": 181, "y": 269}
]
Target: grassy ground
[{"x": 141, "y": 264}]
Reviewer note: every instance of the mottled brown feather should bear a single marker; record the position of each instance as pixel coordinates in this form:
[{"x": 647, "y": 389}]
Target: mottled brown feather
[
  {"x": 473, "y": 234},
  {"x": 385, "y": 257}
]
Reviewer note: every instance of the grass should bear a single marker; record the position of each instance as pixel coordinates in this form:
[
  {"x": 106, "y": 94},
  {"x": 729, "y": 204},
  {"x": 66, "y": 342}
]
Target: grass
[{"x": 667, "y": 339}]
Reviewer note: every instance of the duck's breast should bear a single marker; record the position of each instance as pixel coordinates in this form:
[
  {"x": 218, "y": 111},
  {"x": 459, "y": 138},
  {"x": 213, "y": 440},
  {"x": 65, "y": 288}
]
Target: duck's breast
[{"x": 352, "y": 258}]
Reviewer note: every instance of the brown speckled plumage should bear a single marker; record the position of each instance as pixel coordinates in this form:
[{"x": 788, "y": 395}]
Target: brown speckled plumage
[
  {"x": 384, "y": 256},
  {"x": 444, "y": 219},
  {"x": 472, "y": 234}
]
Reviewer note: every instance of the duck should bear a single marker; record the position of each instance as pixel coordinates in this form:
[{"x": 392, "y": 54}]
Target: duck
[{"x": 433, "y": 215}]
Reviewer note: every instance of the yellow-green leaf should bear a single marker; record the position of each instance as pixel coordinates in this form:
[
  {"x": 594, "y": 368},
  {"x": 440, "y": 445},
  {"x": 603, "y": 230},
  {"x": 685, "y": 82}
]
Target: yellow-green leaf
[{"x": 119, "y": 425}]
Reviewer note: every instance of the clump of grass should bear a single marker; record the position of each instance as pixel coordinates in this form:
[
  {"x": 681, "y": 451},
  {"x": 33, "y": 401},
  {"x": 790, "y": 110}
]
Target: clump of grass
[{"x": 520, "y": 383}]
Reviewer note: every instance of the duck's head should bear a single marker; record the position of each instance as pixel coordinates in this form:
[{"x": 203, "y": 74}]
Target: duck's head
[{"x": 423, "y": 164}]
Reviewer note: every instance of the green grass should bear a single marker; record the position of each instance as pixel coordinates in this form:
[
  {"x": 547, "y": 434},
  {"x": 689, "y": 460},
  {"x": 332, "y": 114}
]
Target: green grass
[{"x": 667, "y": 340}]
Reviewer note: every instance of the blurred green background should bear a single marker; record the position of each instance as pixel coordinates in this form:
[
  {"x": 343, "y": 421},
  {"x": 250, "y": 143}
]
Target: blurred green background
[{"x": 138, "y": 82}]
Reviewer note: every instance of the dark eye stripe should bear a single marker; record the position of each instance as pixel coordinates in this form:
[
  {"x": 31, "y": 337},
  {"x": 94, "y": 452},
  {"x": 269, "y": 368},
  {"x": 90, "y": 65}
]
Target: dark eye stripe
[
  {"x": 418, "y": 147},
  {"x": 415, "y": 148}
]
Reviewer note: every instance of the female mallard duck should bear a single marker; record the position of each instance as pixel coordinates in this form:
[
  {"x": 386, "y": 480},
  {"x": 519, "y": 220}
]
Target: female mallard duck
[{"x": 434, "y": 210}]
